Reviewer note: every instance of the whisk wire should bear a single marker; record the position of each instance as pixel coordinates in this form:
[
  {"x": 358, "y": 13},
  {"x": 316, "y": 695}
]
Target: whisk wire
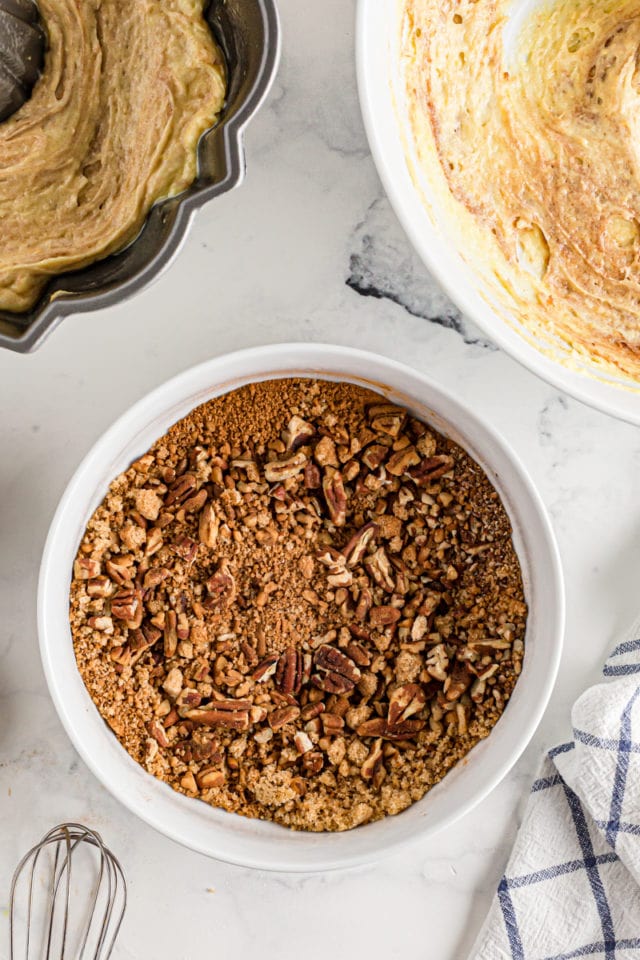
[{"x": 106, "y": 903}]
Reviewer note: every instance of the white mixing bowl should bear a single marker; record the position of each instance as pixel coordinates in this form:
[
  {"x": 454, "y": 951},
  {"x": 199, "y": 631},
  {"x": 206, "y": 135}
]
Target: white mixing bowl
[
  {"x": 383, "y": 104},
  {"x": 252, "y": 842}
]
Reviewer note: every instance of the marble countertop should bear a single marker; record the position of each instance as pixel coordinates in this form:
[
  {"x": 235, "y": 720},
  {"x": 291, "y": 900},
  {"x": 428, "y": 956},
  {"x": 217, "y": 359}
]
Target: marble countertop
[{"x": 307, "y": 249}]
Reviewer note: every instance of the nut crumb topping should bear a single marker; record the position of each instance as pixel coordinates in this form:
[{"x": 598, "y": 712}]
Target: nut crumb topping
[{"x": 302, "y": 604}]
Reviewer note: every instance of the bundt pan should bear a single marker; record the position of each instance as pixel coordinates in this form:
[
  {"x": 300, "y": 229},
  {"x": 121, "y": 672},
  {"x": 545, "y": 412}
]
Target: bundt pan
[{"x": 247, "y": 32}]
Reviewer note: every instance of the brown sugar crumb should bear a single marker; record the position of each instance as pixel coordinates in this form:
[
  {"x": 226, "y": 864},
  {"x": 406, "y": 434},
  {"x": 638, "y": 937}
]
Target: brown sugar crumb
[{"x": 302, "y": 604}]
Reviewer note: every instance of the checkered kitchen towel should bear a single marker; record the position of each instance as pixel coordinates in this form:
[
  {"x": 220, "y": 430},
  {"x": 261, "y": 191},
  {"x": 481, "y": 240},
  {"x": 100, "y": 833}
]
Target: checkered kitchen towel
[{"x": 572, "y": 885}]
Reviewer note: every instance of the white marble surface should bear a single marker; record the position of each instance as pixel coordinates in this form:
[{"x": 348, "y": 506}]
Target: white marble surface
[{"x": 289, "y": 256}]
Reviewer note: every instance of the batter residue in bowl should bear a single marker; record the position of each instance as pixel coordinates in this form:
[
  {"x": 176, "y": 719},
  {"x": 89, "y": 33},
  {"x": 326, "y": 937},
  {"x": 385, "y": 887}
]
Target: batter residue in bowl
[
  {"x": 301, "y": 604},
  {"x": 537, "y": 142},
  {"x": 112, "y": 126}
]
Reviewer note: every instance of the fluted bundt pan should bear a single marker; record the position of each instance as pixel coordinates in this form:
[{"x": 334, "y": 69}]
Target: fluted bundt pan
[{"x": 247, "y": 31}]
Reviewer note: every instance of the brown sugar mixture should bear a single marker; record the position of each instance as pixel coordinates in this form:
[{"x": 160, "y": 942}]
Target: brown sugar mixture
[{"x": 302, "y": 604}]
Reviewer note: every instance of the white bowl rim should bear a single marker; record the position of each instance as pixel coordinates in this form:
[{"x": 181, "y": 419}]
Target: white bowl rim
[
  {"x": 273, "y": 360},
  {"x": 606, "y": 397}
]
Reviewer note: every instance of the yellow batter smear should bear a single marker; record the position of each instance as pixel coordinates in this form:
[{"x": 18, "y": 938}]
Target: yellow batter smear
[
  {"x": 113, "y": 125},
  {"x": 536, "y": 146}
]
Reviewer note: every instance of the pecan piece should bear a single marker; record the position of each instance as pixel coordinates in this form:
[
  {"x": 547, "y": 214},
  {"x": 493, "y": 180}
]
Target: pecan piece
[
  {"x": 100, "y": 587},
  {"x": 374, "y": 455},
  {"x": 380, "y": 617},
  {"x": 379, "y": 566},
  {"x": 187, "y": 549},
  {"x": 119, "y": 569},
  {"x": 297, "y": 433},
  {"x": 400, "y": 462},
  {"x": 85, "y": 569},
  {"x": 373, "y": 763},
  {"x": 289, "y": 671},
  {"x": 404, "y": 730},
  {"x": 183, "y": 488},
  {"x": 283, "y": 715},
  {"x": 279, "y": 470},
  {"x": 196, "y": 502},
  {"x": 208, "y": 526},
  {"x": 170, "y": 634},
  {"x": 332, "y": 724},
  {"x": 335, "y": 497},
  {"x": 266, "y": 668},
  {"x": 359, "y": 654},
  {"x": 430, "y": 468},
  {"x": 458, "y": 681},
  {"x": 313, "y": 762},
  {"x": 325, "y": 453},
  {"x": 387, "y": 418},
  {"x": 156, "y": 730},
  {"x": 303, "y": 742},
  {"x": 356, "y": 548},
  {"x": 364, "y": 603},
  {"x": 404, "y": 702},
  {"x": 376, "y": 727},
  {"x": 231, "y": 714},
  {"x": 312, "y": 478},
  {"x": 336, "y": 672},
  {"x": 221, "y": 586},
  {"x": 210, "y": 777},
  {"x": 127, "y": 606}
]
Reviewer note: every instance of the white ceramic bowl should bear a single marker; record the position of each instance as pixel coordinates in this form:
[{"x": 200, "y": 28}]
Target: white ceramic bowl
[
  {"x": 383, "y": 104},
  {"x": 252, "y": 842}
]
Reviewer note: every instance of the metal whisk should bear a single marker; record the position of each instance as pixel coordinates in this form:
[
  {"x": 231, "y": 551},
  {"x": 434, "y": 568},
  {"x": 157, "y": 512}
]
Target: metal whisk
[{"x": 60, "y": 913}]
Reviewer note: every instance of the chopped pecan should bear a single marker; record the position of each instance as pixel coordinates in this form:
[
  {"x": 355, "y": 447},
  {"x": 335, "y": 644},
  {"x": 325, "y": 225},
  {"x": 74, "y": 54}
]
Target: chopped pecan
[
  {"x": 221, "y": 585},
  {"x": 170, "y": 634},
  {"x": 210, "y": 777},
  {"x": 374, "y": 455},
  {"x": 376, "y": 727},
  {"x": 156, "y": 730},
  {"x": 297, "y": 433},
  {"x": 313, "y": 762},
  {"x": 85, "y": 569},
  {"x": 283, "y": 715},
  {"x": 387, "y": 418},
  {"x": 303, "y": 742},
  {"x": 379, "y": 567},
  {"x": 380, "y": 617},
  {"x": 195, "y": 503},
  {"x": 279, "y": 470},
  {"x": 266, "y": 668},
  {"x": 335, "y": 497},
  {"x": 208, "y": 526},
  {"x": 183, "y": 488},
  {"x": 373, "y": 763},
  {"x": 119, "y": 569},
  {"x": 325, "y": 453},
  {"x": 404, "y": 702},
  {"x": 430, "y": 468},
  {"x": 232, "y": 714},
  {"x": 359, "y": 654},
  {"x": 400, "y": 462},
  {"x": 289, "y": 671},
  {"x": 312, "y": 477},
  {"x": 127, "y": 605},
  {"x": 336, "y": 672},
  {"x": 459, "y": 679},
  {"x": 187, "y": 549},
  {"x": 332, "y": 724},
  {"x": 356, "y": 548},
  {"x": 100, "y": 587}
]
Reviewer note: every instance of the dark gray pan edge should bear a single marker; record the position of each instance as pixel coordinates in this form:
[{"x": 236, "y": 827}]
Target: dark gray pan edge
[{"x": 248, "y": 32}]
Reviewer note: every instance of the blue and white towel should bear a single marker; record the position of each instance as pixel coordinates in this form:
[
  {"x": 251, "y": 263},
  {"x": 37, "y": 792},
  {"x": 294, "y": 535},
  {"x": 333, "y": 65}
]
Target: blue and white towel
[{"x": 572, "y": 885}]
